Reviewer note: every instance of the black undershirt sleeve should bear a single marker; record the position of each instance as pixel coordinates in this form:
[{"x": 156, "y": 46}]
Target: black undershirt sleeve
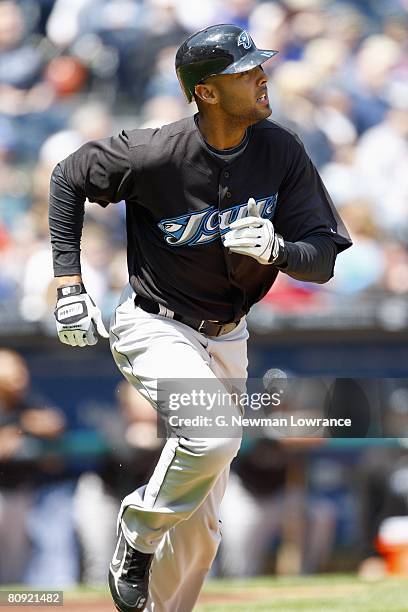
[
  {"x": 66, "y": 216},
  {"x": 100, "y": 171},
  {"x": 311, "y": 259},
  {"x": 307, "y": 220}
]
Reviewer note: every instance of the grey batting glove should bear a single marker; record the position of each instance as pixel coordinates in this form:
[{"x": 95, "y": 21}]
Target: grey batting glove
[
  {"x": 78, "y": 319},
  {"x": 254, "y": 236}
]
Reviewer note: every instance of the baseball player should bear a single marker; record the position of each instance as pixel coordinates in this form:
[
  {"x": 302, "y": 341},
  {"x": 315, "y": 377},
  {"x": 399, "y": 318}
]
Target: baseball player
[{"x": 217, "y": 204}]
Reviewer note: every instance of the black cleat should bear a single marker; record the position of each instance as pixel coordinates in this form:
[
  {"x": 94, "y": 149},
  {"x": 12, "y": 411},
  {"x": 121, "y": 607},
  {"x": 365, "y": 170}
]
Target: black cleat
[{"x": 129, "y": 576}]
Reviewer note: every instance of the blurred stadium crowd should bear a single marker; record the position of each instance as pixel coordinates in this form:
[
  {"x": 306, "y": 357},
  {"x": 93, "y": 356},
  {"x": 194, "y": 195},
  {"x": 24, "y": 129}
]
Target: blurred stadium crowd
[{"x": 71, "y": 71}]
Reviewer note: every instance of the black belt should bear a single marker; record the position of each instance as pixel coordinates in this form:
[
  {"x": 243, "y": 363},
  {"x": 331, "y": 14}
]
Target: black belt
[{"x": 208, "y": 328}]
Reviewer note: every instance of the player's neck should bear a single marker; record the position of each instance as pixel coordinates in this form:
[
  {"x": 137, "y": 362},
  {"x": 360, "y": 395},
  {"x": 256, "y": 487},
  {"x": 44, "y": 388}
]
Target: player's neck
[{"x": 218, "y": 134}]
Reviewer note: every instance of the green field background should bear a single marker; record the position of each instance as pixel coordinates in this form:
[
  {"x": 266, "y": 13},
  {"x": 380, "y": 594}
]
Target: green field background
[{"x": 324, "y": 593}]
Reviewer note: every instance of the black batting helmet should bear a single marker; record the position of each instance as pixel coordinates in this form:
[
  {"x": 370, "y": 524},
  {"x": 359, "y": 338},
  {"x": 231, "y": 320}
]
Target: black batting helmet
[{"x": 219, "y": 49}]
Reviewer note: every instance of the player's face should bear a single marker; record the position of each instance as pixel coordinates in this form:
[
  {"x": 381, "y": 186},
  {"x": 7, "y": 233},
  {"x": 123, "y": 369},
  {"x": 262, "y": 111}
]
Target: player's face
[{"x": 243, "y": 97}]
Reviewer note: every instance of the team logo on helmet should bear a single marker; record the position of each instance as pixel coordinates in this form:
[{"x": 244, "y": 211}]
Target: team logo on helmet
[{"x": 245, "y": 40}]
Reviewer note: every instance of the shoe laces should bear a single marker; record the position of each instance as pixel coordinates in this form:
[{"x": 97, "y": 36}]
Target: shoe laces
[{"x": 137, "y": 564}]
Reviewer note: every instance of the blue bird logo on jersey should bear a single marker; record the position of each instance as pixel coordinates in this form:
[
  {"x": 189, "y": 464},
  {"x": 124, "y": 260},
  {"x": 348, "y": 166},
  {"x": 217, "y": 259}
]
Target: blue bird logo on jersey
[
  {"x": 245, "y": 40},
  {"x": 209, "y": 224}
]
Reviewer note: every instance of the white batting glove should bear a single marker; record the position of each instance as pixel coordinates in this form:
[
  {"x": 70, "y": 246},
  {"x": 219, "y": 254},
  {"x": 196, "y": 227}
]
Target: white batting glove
[
  {"x": 254, "y": 236},
  {"x": 77, "y": 317}
]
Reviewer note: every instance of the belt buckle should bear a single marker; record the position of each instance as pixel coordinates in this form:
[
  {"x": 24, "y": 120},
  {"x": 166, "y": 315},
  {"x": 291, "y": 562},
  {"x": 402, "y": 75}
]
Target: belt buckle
[
  {"x": 203, "y": 324},
  {"x": 221, "y": 327}
]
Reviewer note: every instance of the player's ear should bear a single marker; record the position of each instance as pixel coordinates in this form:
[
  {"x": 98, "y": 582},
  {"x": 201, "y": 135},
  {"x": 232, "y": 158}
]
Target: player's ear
[{"x": 206, "y": 92}]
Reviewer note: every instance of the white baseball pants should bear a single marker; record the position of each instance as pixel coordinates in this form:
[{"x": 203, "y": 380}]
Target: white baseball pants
[{"x": 176, "y": 515}]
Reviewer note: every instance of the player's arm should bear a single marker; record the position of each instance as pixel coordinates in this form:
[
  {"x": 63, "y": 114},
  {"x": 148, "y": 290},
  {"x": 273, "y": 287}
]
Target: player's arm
[
  {"x": 311, "y": 259},
  {"x": 101, "y": 172},
  {"x": 307, "y": 218},
  {"x": 306, "y": 234}
]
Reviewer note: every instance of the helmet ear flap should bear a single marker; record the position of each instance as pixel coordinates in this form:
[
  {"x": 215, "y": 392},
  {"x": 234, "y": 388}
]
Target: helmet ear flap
[
  {"x": 188, "y": 93},
  {"x": 192, "y": 71}
]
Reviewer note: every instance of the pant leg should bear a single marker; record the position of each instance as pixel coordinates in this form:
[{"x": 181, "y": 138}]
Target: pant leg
[
  {"x": 185, "y": 474},
  {"x": 186, "y": 551},
  {"x": 185, "y": 555},
  {"x": 182, "y": 562},
  {"x": 146, "y": 348}
]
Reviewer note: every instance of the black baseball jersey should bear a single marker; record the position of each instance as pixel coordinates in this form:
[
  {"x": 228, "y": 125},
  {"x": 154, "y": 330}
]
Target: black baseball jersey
[{"x": 181, "y": 199}]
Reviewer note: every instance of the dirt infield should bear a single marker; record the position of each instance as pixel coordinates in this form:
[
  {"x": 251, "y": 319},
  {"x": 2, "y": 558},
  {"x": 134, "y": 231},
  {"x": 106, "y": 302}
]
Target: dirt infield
[{"x": 102, "y": 603}]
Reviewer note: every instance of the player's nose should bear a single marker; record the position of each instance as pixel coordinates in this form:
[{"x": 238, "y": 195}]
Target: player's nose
[{"x": 261, "y": 77}]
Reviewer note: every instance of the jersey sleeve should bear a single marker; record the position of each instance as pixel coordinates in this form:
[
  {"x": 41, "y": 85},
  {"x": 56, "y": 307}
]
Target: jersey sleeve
[
  {"x": 101, "y": 170},
  {"x": 304, "y": 205}
]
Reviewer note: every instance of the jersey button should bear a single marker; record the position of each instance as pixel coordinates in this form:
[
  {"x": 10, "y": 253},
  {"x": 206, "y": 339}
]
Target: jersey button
[
  {"x": 226, "y": 174},
  {"x": 228, "y": 194}
]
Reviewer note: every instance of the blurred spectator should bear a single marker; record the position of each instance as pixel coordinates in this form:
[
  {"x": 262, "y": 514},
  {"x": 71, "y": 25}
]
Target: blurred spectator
[
  {"x": 266, "y": 502},
  {"x": 236, "y": 11},
  {"x": 195, "y": 14},
  {"x": 161, "y": 29},
  {"x": 382, "y": 492},
  {"x": 90, "y": 121},
  {"x": 365, "y": 267},
  {"x": 14, "y": 493},
  {"x": 383, "y": 177},
  {"x": 138, "y": 427},
  {"x": 371, "y": 76},
  {"x": 295, "y": 83},
  {"x": 269, "y": 26},
  {"x": 395, "y": 277},
  {"x": 341, "y": 176},
  {"x": 21, "y": 59},
  {"x": 37, "y": 543}
]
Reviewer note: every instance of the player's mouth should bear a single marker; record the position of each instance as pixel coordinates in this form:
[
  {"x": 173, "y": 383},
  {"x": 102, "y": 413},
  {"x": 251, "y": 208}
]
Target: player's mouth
[{"x": 263, "y": 100}]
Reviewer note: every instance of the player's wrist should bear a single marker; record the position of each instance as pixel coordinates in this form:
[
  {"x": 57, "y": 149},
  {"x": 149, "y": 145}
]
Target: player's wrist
[
  {"x": 67, "y": 279},
  {"x": 279, "y": 253}
]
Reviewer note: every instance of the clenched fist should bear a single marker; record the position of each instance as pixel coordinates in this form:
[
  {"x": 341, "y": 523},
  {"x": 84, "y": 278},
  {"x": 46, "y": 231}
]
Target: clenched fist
[
  {"x": 254, "y": 236},
  {"x": 78, "y": 319}
]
